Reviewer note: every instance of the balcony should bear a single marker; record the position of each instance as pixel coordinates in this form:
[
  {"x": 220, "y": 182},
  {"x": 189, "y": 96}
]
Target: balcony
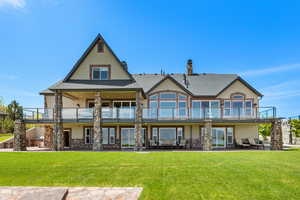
[{"x": 42, "y": 115}]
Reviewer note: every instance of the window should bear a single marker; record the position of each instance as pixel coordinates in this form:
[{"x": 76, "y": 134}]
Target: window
[
  {"x": 100, "y": 73},
  {"x": 237, "y": 96},
  {"x": 100, "y": 47},
  {"x": 182, "y": 109},
  {"x": 229, "y": 135},
  {"x": 108, "y": 136},
  {"x": 179, "y": 135},
  {"x": 167, "y": 136},
  {"x": 227, "y": 108},
  {"x": 88, "y": 136},
  {"x": 154, "y": 97},
  {"x": 167, "y": 95},
  {"x": 248, "y": 108},
  {"x": 206, "y": 109},
  {"x": 196, "y": 109},
  {"x": 182, "y": 97},
  {"x": 154, "y": 135}
]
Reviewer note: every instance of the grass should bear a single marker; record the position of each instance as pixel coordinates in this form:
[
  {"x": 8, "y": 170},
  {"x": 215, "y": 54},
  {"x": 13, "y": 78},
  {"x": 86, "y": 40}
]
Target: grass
[
  {"x": 5, "y": 136},
  {"x": 163, "y": 175}
]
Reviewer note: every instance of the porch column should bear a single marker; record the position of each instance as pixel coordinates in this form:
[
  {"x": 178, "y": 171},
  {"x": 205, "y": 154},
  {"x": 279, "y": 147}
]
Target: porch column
[
  {"x": 19, "y": 136},
  {"x": 58, "y": 140},
  {"x": 97, "y": 144},
  {"x": 207, "y": 139},
  {"x": 276, "y": 135},
  {"x": 138, "y": 121}
]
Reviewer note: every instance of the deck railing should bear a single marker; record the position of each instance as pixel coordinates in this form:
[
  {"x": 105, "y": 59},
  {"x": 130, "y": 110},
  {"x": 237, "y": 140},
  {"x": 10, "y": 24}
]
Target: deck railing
[{"x": 77, "y": 114}]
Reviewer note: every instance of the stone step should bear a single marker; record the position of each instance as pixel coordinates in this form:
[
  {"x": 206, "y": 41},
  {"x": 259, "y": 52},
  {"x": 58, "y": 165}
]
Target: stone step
[{"x": 69, "y": 193}]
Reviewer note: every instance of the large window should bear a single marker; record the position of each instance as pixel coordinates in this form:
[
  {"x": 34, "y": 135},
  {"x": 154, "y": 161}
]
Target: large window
[
  {"x": 167, "y": 136},
  {"x": 205, "y": 109},
  {"x": 168, "y": 105},
  {"x": 128, "y": 137},
  {"x": 238, "y": 106},
  {"x": 108, "y": 135},
  {"x": 100, "y": 73},
  {"x": 221, "y": 136}
]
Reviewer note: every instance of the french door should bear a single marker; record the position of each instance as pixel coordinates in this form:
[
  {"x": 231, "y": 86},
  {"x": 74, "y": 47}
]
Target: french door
[{"x": 218, "y": 137}]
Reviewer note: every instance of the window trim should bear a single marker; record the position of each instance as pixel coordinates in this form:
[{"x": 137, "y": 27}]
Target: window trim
[{"x": 99, "y": 66}]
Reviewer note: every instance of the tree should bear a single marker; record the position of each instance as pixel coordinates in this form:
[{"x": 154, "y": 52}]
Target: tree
[
  {"x": 2, "y": 106},
  {"x": 295, "y": 127},
  {"x": 14, "y": 111},
  {"x": 265, "y": 130}
]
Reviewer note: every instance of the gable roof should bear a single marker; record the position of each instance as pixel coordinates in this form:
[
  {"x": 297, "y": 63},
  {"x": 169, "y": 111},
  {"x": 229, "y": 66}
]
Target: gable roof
[
  {"x": 86, "y": 53},
  {"x": 198, "y": 84},
  {"x": 173, "y": 80}
]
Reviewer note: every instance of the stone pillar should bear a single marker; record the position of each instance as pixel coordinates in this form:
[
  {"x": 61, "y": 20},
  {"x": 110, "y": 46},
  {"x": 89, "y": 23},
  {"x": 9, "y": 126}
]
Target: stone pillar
[
  {"x": 58, "y": 140},
  {"x": 97, "y": 143},
  {"x": 207, "y": 135},
  {"x": 276, "y": 135},
  {"x": 138, "y": 121},
  {"x": 19, "y": 136}
]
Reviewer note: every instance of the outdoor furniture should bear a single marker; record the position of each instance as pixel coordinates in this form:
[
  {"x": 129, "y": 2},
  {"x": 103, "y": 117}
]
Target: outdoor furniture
[
  {"x": 153, "y": 143},
  {"x": 245, "y": 143},
  {"x": 258, "y": 143},
  {"x": 182, "y": 143}
]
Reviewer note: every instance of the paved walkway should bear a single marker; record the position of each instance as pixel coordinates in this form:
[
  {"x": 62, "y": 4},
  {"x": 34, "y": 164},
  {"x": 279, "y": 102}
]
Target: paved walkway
[{"x": 69, "y": 193}]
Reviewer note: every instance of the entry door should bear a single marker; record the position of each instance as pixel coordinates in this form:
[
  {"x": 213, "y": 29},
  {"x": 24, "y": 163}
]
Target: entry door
[
  {"x": 218, "y": 136},
  {"x": 127, "y": 138}
]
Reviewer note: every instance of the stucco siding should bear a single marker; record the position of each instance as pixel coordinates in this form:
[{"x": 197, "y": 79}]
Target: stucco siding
[
  {"x": 167, "y": 85},
  {"x": 246, "y": 131},
  {"x": 66, "y": 101},
  {"x": 77, "y": 132},
  {"x": 238, "y": 87},
  {"x": 95, "y": 58}
]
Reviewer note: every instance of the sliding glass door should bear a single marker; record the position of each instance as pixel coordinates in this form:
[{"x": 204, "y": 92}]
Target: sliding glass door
[
  {"x": 128, "y": 139},
  {"x": 218, "y": 137},
  {"x": 167, "y": 136}
]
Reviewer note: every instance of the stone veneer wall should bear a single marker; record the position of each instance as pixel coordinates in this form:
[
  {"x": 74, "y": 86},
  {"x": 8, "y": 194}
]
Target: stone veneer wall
[
  {"x": 48, "y": 137},
  {"x": 79, "y": 144}
]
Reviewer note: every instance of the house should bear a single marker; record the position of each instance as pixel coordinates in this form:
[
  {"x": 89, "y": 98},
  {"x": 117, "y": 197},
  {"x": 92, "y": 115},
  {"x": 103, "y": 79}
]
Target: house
[{"x": 100, "y": 105}]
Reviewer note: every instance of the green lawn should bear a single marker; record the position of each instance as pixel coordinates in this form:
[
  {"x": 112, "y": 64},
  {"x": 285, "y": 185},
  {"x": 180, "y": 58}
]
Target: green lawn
[
  {"x": 4, "y": 136},
  {"x": 163, "y": 175}
]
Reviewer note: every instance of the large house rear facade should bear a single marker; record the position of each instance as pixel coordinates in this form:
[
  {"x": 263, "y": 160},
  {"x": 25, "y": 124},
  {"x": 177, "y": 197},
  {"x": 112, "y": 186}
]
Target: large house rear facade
[{"x": 99, "y": 105}]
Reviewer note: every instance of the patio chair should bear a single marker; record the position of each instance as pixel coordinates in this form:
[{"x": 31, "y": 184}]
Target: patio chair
[
  {"x": 258, "y": 143},
  {"x": 245, "y": 143},
  {"x": 182, "y": 143},
  {"x": 153, "y": 143}
]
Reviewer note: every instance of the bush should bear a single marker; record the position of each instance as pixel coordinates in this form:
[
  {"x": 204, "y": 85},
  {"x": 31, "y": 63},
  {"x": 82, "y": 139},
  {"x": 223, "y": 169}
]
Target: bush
[{"x": 8, "y": 125}]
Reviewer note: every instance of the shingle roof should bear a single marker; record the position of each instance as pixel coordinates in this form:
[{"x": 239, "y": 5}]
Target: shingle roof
[
  {"x": 196, "y": 85},
  {"x": 94, "y": 84}
]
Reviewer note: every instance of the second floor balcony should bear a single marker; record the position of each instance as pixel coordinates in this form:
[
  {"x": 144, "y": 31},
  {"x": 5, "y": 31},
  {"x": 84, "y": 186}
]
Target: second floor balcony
[{"x": 150, "y": 114}]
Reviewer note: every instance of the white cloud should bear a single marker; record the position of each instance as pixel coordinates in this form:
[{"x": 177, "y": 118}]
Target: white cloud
[
  {"x": 270, "y": 70},
  {"x": 282, "y": 90},
  {"x": 13, "y": 3}
]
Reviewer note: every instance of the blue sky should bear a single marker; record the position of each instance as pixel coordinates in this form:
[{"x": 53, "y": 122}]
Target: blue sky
[{"x": 41, "y": 40}]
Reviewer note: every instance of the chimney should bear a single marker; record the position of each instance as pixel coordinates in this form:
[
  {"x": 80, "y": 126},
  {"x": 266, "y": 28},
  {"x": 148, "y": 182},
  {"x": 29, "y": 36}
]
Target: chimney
[
  {"x": 189, "y": 67},
  {"x": 124, "y": 63}
]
